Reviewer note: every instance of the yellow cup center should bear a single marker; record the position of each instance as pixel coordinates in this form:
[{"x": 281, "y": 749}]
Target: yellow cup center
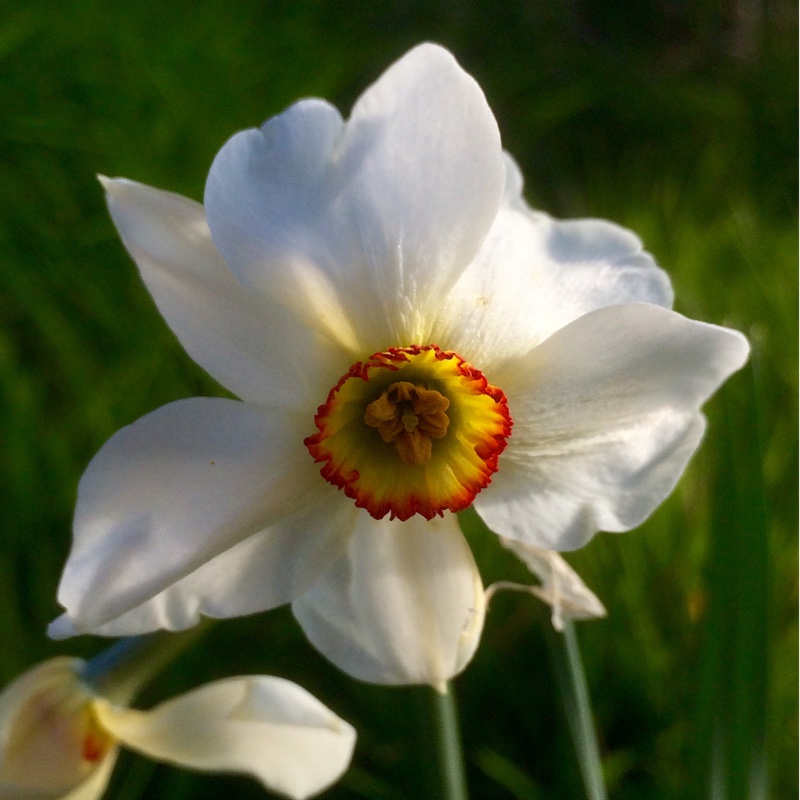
[{"x": 411, "y": 430}]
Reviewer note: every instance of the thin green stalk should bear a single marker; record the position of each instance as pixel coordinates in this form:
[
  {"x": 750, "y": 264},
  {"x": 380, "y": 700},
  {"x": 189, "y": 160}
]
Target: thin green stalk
[
  {"x": 122, "y": 669},
  {"x": 737, "y": 658},
  {"x": 575, "y": 693},
  {"x": 452, "y": 778}
]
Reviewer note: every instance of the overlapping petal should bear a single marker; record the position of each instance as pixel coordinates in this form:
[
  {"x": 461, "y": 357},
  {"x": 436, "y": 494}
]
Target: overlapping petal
[
  {"x": 227, "y": 329},
  {"x": 266, "y": 570},
  {"x": 535, "y": 274},
  {"x": 360, "y": 227},
  {"x": 260, "y": 725},
  {"x": 403, "y": 605},
  {"x": 171, "y": 492},
  {"x": 606, "y": 417}
]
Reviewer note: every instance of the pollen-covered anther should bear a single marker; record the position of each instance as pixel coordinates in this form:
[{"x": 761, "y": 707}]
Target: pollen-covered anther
[
  {"x": 411, "y": 430},
  {"x": 409, "y": 416}
]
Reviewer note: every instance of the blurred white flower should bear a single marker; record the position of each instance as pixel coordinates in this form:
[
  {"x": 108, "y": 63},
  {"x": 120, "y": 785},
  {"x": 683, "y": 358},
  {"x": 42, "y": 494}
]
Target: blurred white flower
[
  {"x": 561, "y": 587},
  {"x": 386, "y": 306},
  {"x": 58, "y": 739}
]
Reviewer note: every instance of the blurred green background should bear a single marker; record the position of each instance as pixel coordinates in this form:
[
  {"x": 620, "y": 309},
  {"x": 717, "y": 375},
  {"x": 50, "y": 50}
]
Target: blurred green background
[{"x": 676, "y": 119}]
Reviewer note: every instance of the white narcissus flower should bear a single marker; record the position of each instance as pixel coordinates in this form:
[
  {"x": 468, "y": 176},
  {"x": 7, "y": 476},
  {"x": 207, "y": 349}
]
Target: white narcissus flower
[
  {"x": 408, "y": 338},
  {"x": 59, "y": 740}
]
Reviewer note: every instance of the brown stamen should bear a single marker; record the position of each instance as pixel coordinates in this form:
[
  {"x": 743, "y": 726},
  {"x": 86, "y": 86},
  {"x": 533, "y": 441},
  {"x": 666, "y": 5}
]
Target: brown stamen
[{"x": 409, "y": 416}]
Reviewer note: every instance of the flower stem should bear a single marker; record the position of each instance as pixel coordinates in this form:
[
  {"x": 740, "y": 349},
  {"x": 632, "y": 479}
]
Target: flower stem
[
  {"x": 121, "y": 670},
  {"x": 575, "y": 693},
  {"x": 452, "y": 778}
]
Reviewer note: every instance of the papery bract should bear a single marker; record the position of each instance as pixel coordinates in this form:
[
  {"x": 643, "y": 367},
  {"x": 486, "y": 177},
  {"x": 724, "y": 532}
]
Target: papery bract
[{"x": 561, "y": 587}]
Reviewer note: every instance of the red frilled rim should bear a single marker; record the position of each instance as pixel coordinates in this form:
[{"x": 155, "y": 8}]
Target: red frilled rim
[{"x": 368, "y": 470}]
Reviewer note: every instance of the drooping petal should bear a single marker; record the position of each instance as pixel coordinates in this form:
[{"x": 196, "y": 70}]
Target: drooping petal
[
  {"x": 260, "y": 725},
  {"x": 171, "y": 492},
  {"x": 562, "y": 588},
  {"x": 267, "y": 569},
  {"x": 227, "y": 329},
  {"x": 404, "y": 605},
  {"x": 605, "y": 419},
  {"x": 361, "y": 226},
  {"x": 535, "y": 274},
  {"x": 48, "y": 744}
]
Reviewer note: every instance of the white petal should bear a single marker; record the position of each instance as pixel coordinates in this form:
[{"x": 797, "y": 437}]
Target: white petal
[
  {"x": 535, "y": 274},
  {"x": 263, "y": 726},
  {"x": 514, "y": 184},
  {"x": 562, "y": 587},
  {"x": 172, "y": 491},
  {"x": 360, "y": 227},
  {"x": 404, "y": 605},
  {"x": 252, "y": 346},
  {"x": 92, "y": 788},
  {"x": 268, "y": 569},
  {"x": 605, "y": 418},
  {"x": 42, "y": 730}
]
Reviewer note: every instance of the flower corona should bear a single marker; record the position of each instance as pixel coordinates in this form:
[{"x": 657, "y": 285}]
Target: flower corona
[{"x": 411, "y": 430}]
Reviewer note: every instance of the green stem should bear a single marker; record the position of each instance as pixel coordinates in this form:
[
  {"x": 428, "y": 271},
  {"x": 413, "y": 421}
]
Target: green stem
[
  {"x": 121, "y": 670},
  {"x": 452, "y": 776},
  {"x": 579, "y": 714}
]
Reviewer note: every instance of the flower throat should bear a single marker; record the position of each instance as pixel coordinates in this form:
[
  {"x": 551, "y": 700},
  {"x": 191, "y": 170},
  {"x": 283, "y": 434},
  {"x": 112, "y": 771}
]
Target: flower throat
[{"x": 411, "y": 430}]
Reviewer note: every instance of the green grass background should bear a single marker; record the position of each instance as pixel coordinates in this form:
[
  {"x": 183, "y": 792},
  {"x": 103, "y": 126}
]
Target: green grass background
[{"x": 676, "y": 119}]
